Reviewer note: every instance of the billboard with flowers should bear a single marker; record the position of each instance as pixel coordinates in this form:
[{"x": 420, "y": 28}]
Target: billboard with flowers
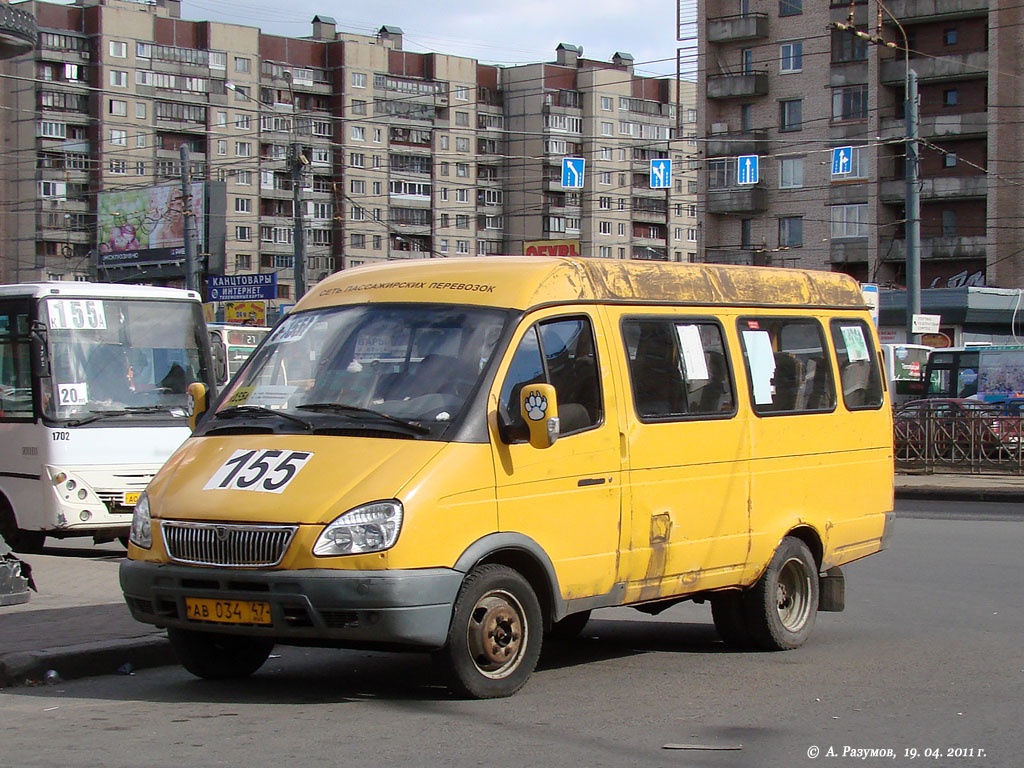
[{"x": 147, "y": 225}]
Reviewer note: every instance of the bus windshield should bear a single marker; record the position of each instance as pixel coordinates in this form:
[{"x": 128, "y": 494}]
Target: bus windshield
[
  {"x": 412, "y": 362},
  {"x": 120, "y": 356}
]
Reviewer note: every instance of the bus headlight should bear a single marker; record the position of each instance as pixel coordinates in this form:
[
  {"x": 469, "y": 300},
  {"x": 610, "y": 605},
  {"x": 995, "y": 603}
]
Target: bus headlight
[
  {"x": 142, "y": 532},
  {"x": 369, "y": 528}
]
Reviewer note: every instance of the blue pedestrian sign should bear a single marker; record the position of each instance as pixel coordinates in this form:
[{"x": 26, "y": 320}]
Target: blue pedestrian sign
[
  {"x": 572, "y": 172},
  {"x": 842, "y": 161},
  {"x": 661, "y": 173},
  {"x": 746, "y": 169}
]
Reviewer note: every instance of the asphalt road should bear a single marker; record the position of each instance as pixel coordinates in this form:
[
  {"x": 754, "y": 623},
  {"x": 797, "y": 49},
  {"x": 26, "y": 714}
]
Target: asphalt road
[{"x": 927, "y": 656}]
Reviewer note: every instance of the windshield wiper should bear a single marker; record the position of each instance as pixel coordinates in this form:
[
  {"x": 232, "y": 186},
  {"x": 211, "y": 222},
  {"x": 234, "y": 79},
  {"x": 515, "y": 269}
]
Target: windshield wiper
[
  {"x": 258, "y": 411},
  {"x": 357, "y": 410},
  {"x": 95, "y": 415}
]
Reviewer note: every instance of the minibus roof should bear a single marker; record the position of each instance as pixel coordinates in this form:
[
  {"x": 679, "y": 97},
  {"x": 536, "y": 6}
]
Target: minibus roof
[
  {"x": 524, "y": 282},
  {"x": 85, "y": 290}
]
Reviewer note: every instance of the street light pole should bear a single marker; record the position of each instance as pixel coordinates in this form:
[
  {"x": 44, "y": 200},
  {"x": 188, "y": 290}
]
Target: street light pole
[
  {"x": 298, "y": 163},
  {"x": 191, "y": 262}
]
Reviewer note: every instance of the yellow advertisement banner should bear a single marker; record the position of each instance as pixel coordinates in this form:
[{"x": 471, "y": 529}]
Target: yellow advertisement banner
[{"x": 245, "y": 312}]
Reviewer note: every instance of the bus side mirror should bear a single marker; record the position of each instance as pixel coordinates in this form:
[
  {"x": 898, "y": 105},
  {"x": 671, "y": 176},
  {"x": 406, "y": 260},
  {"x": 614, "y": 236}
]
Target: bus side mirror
[
  {"x": 539, "y": 407},
  {"x": 40, "y": 355},
  {"x": 196, "y": 403},
  {"x": 220, "y": 359}
]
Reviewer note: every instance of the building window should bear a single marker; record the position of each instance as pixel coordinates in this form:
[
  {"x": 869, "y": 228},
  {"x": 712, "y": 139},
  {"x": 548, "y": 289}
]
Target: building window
[
  {"x": 791, "y": 172},
  {"x": 357, "y": 160},
  {"x": 243, "y": 178},
  {"x": 791, "y": 114},
  {"x": 849, "y": 220},
  {"x": 949, "y": 36},
  {"x": 243, "y": 233},
  {"x": 358, "y": 133},
  {"x": 358, "y": 241},
  {"x": 118, "y": 167},
  {"x": 461, "y": 144},
  {"x": 850, "y": 103},
  {"x": 607, "y": 103},
  {"x": 358, "y": 79},
  {"x": 604, "y": 203},
  {"x": 950, "y": 97},
  {"x": 848, "y": 47},
  {"x": 791, "y": 232},
  {"x": 222, "y": 147},
  {"x": 243, "y": 205},
  {"x": 792, "y": 55},
  {"x": 118, "y": 78},
  {"x": 243, "y": 261},
  {"x": 241, "y": 93},
  {"x": 242, "y": 64},
  {"x": 118, "y": 49},
  {"x": 462, "y": 246},
  {"x": 117, "y": 107},
  {"x": 607, "y": 128},
  {"x": 462, "y": 118},
  {"x": 118, "y": 137},
  {"x": 140, "y": 110},
  {"x": 604, "y": 227},
  {"x": 949, "y": 160},
  {"x": 791, "y": 7},
  {"x": 243, "y": 149},
  {"x": 604, "y": 177}
]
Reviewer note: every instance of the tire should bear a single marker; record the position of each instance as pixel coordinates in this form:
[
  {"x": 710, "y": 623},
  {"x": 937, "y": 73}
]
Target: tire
[
  {"x": 213, "y": 656},
  {"x": 495, "y": 636},
  {"x": 18, "y": 539},
  {"x": 569, "y": 628},
  {"x": 781, "y": 607},
  {"x": 730, "y": 619}
]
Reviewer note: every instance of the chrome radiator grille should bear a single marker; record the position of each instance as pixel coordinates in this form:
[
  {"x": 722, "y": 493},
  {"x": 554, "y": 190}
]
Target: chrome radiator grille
[{"x": 243, "y": 546}]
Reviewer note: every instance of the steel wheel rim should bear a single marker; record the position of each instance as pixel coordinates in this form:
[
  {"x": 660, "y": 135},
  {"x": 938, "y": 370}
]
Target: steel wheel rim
[
  {"x": 497, "y": 633},
  {"x": 793, "y": 594}
]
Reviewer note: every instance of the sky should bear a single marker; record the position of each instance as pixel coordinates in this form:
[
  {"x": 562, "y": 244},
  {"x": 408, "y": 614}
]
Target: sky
[{"x": 494, "y": 33}]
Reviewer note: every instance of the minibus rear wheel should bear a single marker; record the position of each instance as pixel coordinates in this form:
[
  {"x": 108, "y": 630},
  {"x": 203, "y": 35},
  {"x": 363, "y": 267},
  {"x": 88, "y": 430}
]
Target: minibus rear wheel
[
  {"x": 213, "y": 656},
  {"x": 780, "y": 608},
  {"x": 495, "y": 636}
]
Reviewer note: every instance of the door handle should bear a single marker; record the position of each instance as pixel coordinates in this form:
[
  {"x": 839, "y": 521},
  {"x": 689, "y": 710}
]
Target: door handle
[{"x": 591, "y": 481}]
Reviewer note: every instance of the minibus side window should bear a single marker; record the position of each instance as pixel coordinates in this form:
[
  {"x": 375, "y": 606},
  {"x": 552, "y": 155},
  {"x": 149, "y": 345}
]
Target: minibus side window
[
  {"x": 858, "y": 366},
  {"x": 677, "y": 368},
  {"x": 15, "y": 364},
  {"x": 788, "y": 369},
  {"x": 558, "y": 352}
]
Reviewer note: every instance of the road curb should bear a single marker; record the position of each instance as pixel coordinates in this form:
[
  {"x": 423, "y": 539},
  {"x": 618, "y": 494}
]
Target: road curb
[
  {"x": 961, "y": 494},
  {"x": 86, "y": 660}
]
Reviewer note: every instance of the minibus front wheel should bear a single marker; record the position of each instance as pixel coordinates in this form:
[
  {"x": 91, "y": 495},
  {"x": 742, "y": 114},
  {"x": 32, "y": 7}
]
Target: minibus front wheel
[
  {"x": 495, "y": 635},
  {"x": 782, "y": 605},
  {"x": 214, "y": 656}
]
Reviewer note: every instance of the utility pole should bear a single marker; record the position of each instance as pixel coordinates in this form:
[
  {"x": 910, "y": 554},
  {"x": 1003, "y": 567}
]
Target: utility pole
[
  {"x": 191, "y": 261},
  {"x": 912, "y": 201},
  {"x": 913, "y": 206},
  {"x": 298, "y": 163}
]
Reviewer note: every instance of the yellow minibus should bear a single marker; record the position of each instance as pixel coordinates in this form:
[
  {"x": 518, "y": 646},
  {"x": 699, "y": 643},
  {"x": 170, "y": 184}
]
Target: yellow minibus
[{"x": 468, "y": 456}]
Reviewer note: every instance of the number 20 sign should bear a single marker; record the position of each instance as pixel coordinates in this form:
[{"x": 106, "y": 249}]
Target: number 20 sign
[{"x": 269, "y": 471}]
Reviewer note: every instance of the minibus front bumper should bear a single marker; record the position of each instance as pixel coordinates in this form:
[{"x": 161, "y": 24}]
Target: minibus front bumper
[{"x": 396, "y": 608}]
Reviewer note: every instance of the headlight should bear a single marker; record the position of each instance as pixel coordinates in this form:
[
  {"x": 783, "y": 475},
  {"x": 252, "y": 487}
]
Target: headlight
[
  {"x": 369, "y": 528},
  {"x": 142, "y": 533}
]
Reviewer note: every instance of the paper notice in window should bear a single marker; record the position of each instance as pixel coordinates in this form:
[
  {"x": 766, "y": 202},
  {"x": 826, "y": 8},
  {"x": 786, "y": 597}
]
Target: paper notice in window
[
  {"x": 856, "y": 345},
  {"x": 761, "y": 358},
  {"x": 694, "y": 364}
]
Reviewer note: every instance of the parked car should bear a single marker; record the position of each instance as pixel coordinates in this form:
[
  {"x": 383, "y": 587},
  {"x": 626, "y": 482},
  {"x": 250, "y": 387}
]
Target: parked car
[{"x": 956, "y": 427}]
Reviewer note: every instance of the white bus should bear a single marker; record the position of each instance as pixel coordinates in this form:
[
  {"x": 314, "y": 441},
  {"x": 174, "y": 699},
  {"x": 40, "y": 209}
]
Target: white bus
[
  {"x": 231, "y": 347},
  {"x": 92, "y": 402}
]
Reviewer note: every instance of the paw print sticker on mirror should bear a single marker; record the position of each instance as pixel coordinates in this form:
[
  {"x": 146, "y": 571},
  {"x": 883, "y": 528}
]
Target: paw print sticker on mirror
[{"x": 536, "y": 406}]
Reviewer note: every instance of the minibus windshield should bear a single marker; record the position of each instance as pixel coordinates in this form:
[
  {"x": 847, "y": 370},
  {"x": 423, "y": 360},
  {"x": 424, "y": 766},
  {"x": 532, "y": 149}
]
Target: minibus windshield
[
  {"x": 405, "y": 367},
  {"x": 112, "y": 358}
]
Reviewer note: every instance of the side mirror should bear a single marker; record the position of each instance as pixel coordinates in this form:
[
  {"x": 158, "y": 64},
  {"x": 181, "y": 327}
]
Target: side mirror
[
  {"x": 196, "y": 402},
  {"x": 539, "y": 406},
  {"x": 40, "y": 355}
]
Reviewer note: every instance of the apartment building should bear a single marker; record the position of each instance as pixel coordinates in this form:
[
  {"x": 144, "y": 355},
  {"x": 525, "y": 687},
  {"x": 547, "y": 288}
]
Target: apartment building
[
  {"x": 396, "y": 154},
  {"x": 780, "y": 81}
]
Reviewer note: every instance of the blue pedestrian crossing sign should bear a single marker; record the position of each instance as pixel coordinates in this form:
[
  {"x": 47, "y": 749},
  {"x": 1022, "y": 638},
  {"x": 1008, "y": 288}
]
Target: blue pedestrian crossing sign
[
  {"x": 661, "y": 173},
  {"x": 572, "y": 172},
  {"x": 842, "y": 160},
  {"x": 746, "y": 169}
]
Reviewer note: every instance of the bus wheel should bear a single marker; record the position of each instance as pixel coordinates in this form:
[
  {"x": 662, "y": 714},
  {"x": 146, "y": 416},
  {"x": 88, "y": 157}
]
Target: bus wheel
[
  {"x": 495, "y": 635},
  {"x": 570, "y": 627},
  {"x": 18, "y": 539},
  {"x": 219, "y": 657},
  {"x": 780, "y": 608},
  {"x": 730, "y": 620}
]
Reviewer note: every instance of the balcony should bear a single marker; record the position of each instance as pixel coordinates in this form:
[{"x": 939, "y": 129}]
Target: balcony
[
  {"x": 848, "y": 251},
  {"x": 745, "y": 256},
  {"x": 737, "y": 86},
  {"x": 960, "y": 66},
  {"x": 935, "y": 10},
  {"x": 969, "y": 125},
  {"x": 731, "y": 29},
  {"x": 738, "y": 143},
  {"x": 737, "y": 200},
  {"x": 649, "y": 215},
  {"x": 18, "y": 32},
  {"x": 942, "y": 248},
  {"x": 894, "y": 191}
]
